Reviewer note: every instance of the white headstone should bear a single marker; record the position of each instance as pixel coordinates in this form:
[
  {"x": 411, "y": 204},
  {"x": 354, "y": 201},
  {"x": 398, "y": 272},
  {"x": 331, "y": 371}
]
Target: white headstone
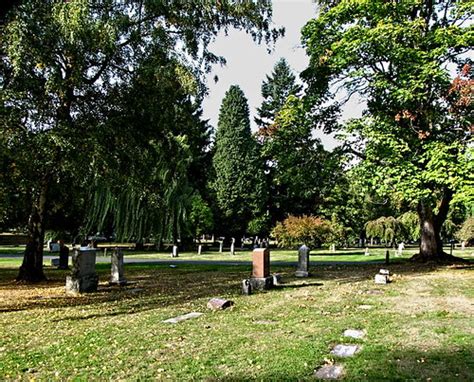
[
  {"x": 221, "y": 246},
  {"x": 199, "y": 249},
  {"x": 175, "y": 251},
  {"x": 232, "y": 247},
  {"x": 367, "y": 251}
]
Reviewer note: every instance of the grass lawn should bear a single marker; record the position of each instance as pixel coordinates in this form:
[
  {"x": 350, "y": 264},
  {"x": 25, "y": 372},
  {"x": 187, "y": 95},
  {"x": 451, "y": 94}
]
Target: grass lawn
[{"x": 418, "y": 327}]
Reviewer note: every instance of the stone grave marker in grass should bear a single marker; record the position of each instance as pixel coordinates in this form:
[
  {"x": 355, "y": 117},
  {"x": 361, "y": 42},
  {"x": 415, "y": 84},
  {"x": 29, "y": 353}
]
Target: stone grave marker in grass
[
  {"x": 345, "y": 350},
  {"x": 303, "y": 262},
  {"x": 117, "y": 276},
  {"x": 183, "y": 317},
  {"x": 330, "y": 372},
  {"x": 261, "y": 279},
  {"x": 354, "y": 333},
  {"x": 219, "y": 304},
  {"x": 83, "y": 276}
]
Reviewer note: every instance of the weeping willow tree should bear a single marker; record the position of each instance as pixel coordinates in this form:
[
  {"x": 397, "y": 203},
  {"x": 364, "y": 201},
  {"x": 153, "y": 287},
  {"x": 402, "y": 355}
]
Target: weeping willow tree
[
  {"x": 386, "y": 229},
  {"x": 64, "y": 64}
]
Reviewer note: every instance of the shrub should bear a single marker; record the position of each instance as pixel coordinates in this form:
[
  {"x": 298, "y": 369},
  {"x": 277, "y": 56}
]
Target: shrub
[{"x": 309, "y": 230}]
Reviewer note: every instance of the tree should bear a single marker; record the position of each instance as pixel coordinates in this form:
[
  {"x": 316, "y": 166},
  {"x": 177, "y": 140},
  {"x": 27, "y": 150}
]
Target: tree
[
  {"x": 300, "y": 170},
  {"x": 239, "y": 182},
  {"x": 413, "y": 138},
  {"x": 275, "y": 91},
  {"x": 65, "y": 64}
]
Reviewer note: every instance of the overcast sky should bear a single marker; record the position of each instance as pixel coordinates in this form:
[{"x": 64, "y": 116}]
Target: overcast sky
[{"x": 249, "y": 63}]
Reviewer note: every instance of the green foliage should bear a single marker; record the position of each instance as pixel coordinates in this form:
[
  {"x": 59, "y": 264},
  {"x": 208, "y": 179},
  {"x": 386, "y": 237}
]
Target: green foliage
[
  {"x": 309, "y": 230},
  {"x": 275, "y": 91},
  {"x": 388, "y": 229},
  {"x": 466, "y": 232},
  {"x": 239, "y": 182},
  {"x": 70, "y": 73},
  {"x": 410, "y": 223},
  {"x": 259, "y": 226},
  {"x": 414, "y": 136},
  {"x": 201, "y": 219},
  {"x": 300, "y": 170}
]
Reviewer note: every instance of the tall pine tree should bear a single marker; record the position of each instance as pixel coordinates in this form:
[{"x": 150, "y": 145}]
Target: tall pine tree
[
  {"x": 275, "y": 90},
  {"x": 239, "y": 183}
]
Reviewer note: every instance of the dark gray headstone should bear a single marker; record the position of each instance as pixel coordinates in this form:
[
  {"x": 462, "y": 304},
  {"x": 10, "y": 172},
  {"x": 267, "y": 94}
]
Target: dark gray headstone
[
  {"x": 246, "y": 287},
  {"x": 83, "y": 276},
  {"x": 303, "y": 262}
]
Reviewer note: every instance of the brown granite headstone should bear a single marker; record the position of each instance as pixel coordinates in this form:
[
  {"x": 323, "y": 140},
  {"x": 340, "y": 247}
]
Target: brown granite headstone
[{"x": 261, "y": 263}]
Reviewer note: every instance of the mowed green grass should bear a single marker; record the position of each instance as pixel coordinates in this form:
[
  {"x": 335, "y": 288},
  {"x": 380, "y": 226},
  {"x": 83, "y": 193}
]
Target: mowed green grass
[{"x": 418, "y": 327}]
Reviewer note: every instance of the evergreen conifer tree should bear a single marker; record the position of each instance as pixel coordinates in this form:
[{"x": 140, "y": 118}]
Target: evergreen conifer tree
[
  {"x": 275, "y": 90},
  {"x": 239, "y": 184}
]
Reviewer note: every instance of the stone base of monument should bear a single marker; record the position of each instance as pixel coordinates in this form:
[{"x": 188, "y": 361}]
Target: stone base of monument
[
  {"x": 261, "y": 283},
  {"x": 84, "y": 284},
  {"x": 120, "y": 282},
  {"x": 302, "y": 274}
]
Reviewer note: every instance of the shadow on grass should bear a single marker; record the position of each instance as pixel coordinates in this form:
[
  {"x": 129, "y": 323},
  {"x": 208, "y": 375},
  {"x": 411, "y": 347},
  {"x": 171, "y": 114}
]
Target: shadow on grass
[{"x": 156, "y": 286}]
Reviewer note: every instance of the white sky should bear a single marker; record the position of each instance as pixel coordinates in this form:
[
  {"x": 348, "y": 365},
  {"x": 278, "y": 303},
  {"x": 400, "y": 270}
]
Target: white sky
[{"x": 249, "y": 63}]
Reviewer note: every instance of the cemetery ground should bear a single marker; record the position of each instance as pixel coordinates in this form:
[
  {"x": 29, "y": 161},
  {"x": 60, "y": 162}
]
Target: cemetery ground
[{"x": 419, "y": 327}]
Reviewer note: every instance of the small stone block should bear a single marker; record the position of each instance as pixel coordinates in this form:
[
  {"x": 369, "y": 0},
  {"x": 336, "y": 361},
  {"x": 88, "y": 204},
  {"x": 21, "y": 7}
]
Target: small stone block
[
  {"x": 184, "y": 317},
  {"x": 301, "y": 274},
  {"x": 330, "y": 372},
  {"x": 345, "y": 350},
  {"x": 381, "y": 279},
  {"x": 384, "y": 272},
  {"x": 365, "y": 307},
  {"x": 246, "y": 287},
  {"x": 277, "y": 279},
  {"x": 219, "y": 303},
  {"x": 261, "y": 283},
  {"x": 55, "y": 262},
  {"x": 354, "y": 333}
]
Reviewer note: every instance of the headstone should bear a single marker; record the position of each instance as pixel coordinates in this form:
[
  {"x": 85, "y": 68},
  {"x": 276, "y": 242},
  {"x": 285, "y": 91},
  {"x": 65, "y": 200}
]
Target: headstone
[
  {"x": 354, "y": 333},
  {"x": 83, "y": 276},
  {"x": 55, "y": 262},
  {"x": 219, "y": 303},
  {"x": 261, "y": 279},
  {"x": 303, "y": 262},
  {"x": 175, "y": 252},
  {"x": 333, "y": 248},
  {"x": 345, "y": 350},
  {"x": 117, "y": 276},
  {"x": 63, "y": 256},
  {"x": 261, "y": 263},
  {"x": 401, "y": 247},
  {"x": 184, "y": 317},
  {"x": 232, "y": 247},
  {"x": 221, "y": 246},
  {"x": 367, "y": 251},
  {"x": 330, "y": 372},
  {"x": 277, "y": 279},
  {"x": 365, "y": 307},
  {"x": 199, "y": 249},
  {"x": 54, "y": 247},
  {"x": 246, "y": 287},
  {"x": 381, "y": 279}
]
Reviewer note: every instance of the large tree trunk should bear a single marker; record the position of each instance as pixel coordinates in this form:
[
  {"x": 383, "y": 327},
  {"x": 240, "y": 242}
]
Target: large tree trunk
[
  {"x": 31, "y": 269},
  {"x": 431, "y": 245}
]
